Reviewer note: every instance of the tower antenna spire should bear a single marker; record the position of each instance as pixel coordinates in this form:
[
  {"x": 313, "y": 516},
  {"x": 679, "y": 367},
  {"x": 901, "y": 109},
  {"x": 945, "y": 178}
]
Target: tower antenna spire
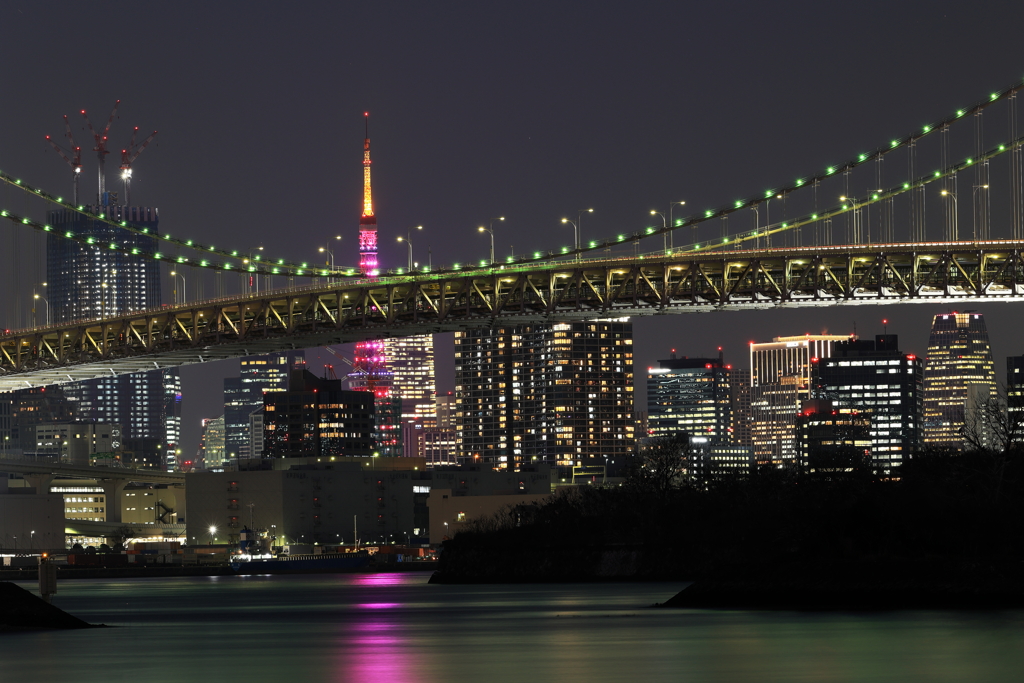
[{"x": 367, "y": 222}]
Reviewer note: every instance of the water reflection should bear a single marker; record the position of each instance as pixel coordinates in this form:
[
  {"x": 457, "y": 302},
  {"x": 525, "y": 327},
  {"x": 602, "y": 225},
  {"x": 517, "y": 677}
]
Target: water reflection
[
  {"x": 372, "y": 645},
  {"x": 396, "y": 627}
]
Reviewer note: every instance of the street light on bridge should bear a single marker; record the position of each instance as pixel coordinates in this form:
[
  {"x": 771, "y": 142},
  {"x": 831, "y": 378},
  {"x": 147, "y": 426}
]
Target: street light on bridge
[
  {"x": 37, "y": 296},
  {"x": 183, "y": 298},
  {"x": 490, "y": 230},
  {"x": 856, "y": 217},
  {"x": 974, "y": 217},
  {"x": 956, "y": 210},
  {"x": 408, "y": 241}
]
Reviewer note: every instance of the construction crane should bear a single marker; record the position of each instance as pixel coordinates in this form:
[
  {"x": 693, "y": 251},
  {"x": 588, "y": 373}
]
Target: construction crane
[
  {"x": 75, "y": 158},
  {"x": 101, "y": 146},
  {"x": 129, "y": 155}
]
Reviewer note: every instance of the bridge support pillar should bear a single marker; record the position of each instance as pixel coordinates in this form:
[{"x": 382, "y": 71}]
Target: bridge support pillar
[
  {"x": 41, "y": 482},
  {"x": 112, "y": 489}
]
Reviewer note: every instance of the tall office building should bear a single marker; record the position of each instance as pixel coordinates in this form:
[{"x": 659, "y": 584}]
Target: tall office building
[
  {"x": 316, "y": 417},
  {"x": 147, "y": 406},
  {"x": 690, "y": 395},
  {"x": 91, "y": 280},
  {"x": 257, "y": 376},
  {"x": 874, "y": 379},
  {"x": 831, "y": 440},
  {"x": 1015, "y": 388},
  {"x": 211, "y": 446},
  {"x": 411, "y": 362},
  {"x": 742, "y": 414},
  {"x": 28, "y": 408},
  {"x": 959, "y": 378},
  {"x": 780, "y": 377},
  {"x": 559, "y": 393},
  {"x": 440, "y": 443}
]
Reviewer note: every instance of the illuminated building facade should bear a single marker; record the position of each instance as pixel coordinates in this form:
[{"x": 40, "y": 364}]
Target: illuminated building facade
[
  {"x": 742, "y": 419},
  {"x": 316, "y": 417},
  {"x": 440, "y": 443},
  {"x": 691, "y": 395},
  {"x": 1015, "y": 389},
  {"x": 411, "y": 362},
  {"x": 257, "y": 375},
  {"x": 959, "y": 377},
  {"x": 557, "y": 393},
  {"x": 29, "y": 408},
  {"x": 91, "y": 280},
  {"x": 873, "y": 378},
  {"x": 147, "y": 406},
  {"x": 780, "y": 378},
  {"x": 832, "y": 439},
  {"x": 211, "y": 446}
]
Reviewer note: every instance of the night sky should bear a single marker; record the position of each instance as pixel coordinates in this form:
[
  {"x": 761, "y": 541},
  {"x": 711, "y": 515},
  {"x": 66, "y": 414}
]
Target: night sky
[{"x": 528, "y": 110}]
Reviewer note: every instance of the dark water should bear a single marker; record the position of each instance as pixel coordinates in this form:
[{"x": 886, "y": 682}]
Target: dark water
[{"x": 395, "y": 627}]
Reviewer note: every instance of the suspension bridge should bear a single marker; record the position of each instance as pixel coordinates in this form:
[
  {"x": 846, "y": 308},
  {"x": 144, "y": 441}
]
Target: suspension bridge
[{"x": 935, "y": 215}]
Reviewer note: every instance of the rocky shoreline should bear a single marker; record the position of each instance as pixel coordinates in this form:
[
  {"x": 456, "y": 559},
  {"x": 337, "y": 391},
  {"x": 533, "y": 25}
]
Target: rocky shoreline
[{"x": 20, "y": 610}]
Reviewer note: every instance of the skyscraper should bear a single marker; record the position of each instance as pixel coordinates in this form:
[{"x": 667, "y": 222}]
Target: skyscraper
[
  {"x": 780, "y": 375},
  {"x": 742, "y": 413},
  {"x": 411, "y": 362},
  {"x": 316, "y": 417},
  {"x": 211, "y": 446},
  {"x": 874, "y": 379},
  {"x": 257, "y": 376},
  {"x": 559, "y": 393},
  {"x": 959, "y": 379},
  {"x": 690, "y": 395},
  {"x": 147, "y": 406},
  {"x": 92, "y": 281}
]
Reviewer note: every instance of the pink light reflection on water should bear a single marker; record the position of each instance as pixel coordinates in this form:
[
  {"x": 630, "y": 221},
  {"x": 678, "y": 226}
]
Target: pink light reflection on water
[
  {"x": 379, "y": 605},
  {"x": 375, "y": 649},
  {"x": 392, "y": 579}
]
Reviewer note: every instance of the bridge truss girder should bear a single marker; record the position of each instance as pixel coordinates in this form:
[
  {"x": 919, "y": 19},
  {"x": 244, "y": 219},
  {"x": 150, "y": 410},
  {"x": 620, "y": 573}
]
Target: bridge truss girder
[{"x": 399, "y": 306}]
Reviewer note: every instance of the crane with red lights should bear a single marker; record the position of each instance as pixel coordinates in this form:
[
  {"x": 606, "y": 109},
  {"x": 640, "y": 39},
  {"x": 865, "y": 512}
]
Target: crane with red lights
[
  {"x": 101, "y": 146},
  {"x": 75, "y": 152},
  {"x": 128, "y": 155}
]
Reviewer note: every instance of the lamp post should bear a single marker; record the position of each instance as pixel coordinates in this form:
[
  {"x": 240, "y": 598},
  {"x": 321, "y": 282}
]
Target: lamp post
[
  {"x": 856, "y": 217},
  {"x": 408, "y": 241},
  {"x": 103, "y": 290},
  {"x": 664, "y": 227},
  {"x": 490, "y": 231},
  {"x": 575, "y": 233},
  {"x": 956, "y": 210},
  {"x": 183, "y": 298},
  {"x": 579, "y": 221},
  {"x": 249, "y": 261},
  {"x": 974, "y": 218},
  {"x": 37, "y": 296},
  {"x": 331, "y": 254},
  {"x": 672, "y": 205}
]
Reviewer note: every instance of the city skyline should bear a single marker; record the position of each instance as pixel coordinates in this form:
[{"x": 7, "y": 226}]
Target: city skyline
[{"x": 539, "y": 157}]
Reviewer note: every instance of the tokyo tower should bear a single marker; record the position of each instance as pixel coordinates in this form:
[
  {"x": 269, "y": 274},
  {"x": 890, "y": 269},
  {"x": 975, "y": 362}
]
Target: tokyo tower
[{"x": 369, "y": 367}]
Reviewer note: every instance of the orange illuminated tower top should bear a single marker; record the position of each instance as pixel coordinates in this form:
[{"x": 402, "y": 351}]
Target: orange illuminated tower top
[{"x": 368, "y": 222}]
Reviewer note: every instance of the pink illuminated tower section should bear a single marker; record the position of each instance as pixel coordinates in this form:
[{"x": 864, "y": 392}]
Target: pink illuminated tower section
[{"x": 368, "y": 222}]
